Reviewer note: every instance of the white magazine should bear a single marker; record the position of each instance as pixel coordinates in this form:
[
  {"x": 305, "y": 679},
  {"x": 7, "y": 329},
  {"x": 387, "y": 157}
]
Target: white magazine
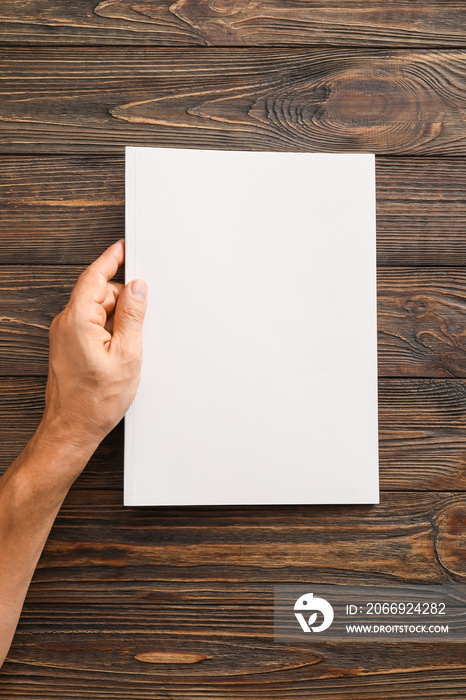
[{"x": 259, "y": 379}]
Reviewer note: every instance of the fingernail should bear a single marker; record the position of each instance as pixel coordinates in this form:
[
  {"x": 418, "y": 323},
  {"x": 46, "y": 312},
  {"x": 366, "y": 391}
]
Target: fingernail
[{"x": 139, "y": 289}]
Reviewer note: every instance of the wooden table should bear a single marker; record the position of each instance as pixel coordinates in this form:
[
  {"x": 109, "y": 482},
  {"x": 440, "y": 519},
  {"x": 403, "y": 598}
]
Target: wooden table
[{"x": 192, "y": 587}]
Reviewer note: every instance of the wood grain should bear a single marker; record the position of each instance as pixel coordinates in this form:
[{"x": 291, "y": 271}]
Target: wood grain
[
  {"x": 60, "y": 209},
  {"x": 245, "y": 664},
  {"x": 95, "y": 537},
  {"x": 198, "y": 582},
  {"x": 422, "y": 434},
  {"x": 421, "y": 322},
  {"x": 234, "y": 22},
  {"x": 157, "y": 603},
  {"x": 67, "y": 209},
  {"x": 242, "y": 664},
  {"x": 385, "y": 102},
  {"x": 424, "y": 684},
  {"x": 213, "y": 569},
  {"x": 421, "y": 318},
  {"x": 421, "y": 211}
]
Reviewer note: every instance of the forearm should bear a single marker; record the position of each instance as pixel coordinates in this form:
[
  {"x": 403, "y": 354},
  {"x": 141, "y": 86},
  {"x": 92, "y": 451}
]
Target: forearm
[
  {"x": 94, "y": 368},
  {"x": 31, "y": 493}
]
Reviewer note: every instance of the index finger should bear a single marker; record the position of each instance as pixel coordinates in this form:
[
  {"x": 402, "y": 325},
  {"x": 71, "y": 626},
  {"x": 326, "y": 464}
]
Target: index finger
[{"x": 92, "y": 283}]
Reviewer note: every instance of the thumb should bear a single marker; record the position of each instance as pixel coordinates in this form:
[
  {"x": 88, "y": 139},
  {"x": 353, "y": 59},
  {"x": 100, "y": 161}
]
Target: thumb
[{"x": 129, "y": 316}]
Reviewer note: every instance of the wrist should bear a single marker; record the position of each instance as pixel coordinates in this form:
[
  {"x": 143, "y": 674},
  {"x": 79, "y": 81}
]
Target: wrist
[
  {"x": 39, "y": 479},
  {"x": 52, "y": 460},
  {"x": 55, "y": 434}
]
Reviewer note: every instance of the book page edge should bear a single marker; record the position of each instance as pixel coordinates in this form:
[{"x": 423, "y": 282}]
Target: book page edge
[{"x": 130, "y": 262}]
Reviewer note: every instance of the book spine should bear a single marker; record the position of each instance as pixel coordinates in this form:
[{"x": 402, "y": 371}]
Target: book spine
[{"x": 130, "y": 264}]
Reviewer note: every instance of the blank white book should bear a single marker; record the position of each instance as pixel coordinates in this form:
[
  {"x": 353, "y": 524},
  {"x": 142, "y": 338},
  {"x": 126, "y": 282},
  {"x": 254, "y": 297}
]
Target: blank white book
[{"x": 259, "y": 377}]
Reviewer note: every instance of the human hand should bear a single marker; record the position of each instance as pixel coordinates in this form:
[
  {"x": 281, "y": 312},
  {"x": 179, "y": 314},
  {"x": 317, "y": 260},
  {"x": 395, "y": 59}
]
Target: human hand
[
  {"x": 95, "y": 354},
  {"x": 94, "y": 367}
]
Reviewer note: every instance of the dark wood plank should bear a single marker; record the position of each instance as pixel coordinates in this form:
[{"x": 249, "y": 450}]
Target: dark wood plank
[
  {"x": 421, "y": 322},
  {"x": 415, "y": 537},
  {"x": 387, "y": 101},
  {"x": 234, "y": 22},
  {"x": 30, "y": 297},
  {"x": 421, "y": 211},
  {"x": 66, "y": 209},
  {"x": 98, "y": 664},
  {"x": 210, "y": 568},
  {"x": 424, "y": 684},
  {"x": 60, "y": 209},
  {"x": 202, "y": 646},
  {"x": 422, "y": 434},
  {"x": 421, "y": 318}
]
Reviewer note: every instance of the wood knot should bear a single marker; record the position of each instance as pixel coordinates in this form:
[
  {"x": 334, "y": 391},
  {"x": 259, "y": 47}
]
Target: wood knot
[
  {"x": 231, "y": 7},
  {"x": 417, "y": 306},
  {"x": 451, "y": 538},
  {"x": 169, "y": 657},
  {"x": 380, "y": 107}
]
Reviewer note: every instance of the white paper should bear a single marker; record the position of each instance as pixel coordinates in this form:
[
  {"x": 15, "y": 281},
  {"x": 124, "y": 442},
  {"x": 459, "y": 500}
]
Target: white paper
[{"x": 259, "y": 379}]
